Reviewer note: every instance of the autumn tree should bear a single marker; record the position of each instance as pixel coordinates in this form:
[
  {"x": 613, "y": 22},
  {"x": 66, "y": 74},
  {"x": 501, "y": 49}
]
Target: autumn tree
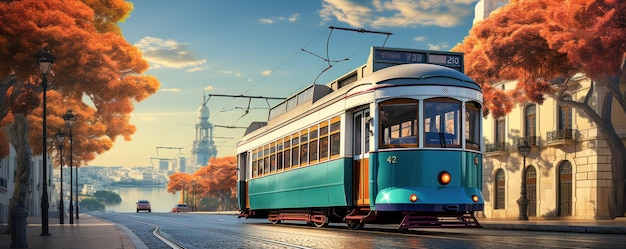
[
  {"x": 542, "y": 44},
  {"x": 182, "y": 182},
  {"x": 93, "y": 62},
  {"x": 218, "y": 180}
]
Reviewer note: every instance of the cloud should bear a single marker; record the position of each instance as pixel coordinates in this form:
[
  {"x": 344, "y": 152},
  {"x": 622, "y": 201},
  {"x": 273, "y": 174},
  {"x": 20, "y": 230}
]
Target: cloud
[
  {"x": 195, "y": 69},
  {"x": 167, "y": 53},
  {"x": 208, "y": 88},
  {"x": 266, "y": 72},
  {"x": 397, "y": 13},
  {"x": 441, "y": 47},
  {"x": 228, "y": 72},
  {"x": 148, "y": 119},
  {"x": 420, "y": 38},
  {"x": 173, "y": 90},
  {"x": 271, "y": 20}
]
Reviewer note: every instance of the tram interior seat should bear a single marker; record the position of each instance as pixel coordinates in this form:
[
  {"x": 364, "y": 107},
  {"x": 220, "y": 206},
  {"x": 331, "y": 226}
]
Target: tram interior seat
[
  {"x": 404, "y": 140},
  {"x": 437, "y": 137}
]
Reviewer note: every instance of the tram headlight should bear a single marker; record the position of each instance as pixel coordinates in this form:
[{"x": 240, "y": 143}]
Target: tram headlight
[
  {"x": 444, "y": 177},
  {"x": 475, "y": 198},
  {"x": 413, "y": 197}
]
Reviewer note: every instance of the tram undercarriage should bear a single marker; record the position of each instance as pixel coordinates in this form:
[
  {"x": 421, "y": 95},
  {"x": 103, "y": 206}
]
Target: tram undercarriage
[{"x": 356, "y": 218}]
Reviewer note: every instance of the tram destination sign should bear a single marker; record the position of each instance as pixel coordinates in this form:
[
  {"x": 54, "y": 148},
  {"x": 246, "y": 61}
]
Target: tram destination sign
[{"x": 397, "y": 56}]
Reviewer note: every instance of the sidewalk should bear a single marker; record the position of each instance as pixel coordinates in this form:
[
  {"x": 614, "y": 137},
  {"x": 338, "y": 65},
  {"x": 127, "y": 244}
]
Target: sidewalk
[
  {"x": 616, "y": 226},
  {"x": 86, "y": 232},
  {"x": 92, "y": 232}
]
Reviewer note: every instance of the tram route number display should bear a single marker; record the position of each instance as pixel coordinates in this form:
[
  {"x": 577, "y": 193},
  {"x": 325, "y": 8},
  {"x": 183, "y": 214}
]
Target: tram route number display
[{"x": 416, "y": 57}]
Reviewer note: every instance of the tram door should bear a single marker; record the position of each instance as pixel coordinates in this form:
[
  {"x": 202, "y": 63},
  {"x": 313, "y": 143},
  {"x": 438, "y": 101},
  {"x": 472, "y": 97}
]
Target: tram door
[{"x": 360, "y": 147}]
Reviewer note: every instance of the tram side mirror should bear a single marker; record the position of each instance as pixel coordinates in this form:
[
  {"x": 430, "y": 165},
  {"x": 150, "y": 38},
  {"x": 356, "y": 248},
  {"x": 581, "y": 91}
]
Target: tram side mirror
[{"x": 370, "y": 122}]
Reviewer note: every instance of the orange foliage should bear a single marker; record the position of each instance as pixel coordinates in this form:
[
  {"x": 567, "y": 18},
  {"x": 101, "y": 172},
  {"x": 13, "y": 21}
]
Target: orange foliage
[
  {"x": 92, "y": 59},
  {"x": 534, "y": 41},
  {"x": 178, "y": 181},
  {"x": 220, "y": 177}
]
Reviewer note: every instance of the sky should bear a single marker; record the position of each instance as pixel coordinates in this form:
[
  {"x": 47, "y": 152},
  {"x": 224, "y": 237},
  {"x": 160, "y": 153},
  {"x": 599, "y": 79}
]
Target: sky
[{"x": 271, "y": 48}]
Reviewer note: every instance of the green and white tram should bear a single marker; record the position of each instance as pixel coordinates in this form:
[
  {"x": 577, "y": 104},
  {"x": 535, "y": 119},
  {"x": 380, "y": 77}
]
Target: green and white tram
[{"x": 395, "y": 141}]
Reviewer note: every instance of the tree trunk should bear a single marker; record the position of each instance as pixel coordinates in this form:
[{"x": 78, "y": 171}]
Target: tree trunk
[
  {"x": 17, "y": 134},
  {"x": 617, "y": 149}
]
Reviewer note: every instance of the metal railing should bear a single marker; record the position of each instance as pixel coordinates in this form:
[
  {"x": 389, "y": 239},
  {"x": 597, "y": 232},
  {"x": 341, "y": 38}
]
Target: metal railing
[
  {"x": 561, "y": 135},
  {"x": 496, "y": 147}
]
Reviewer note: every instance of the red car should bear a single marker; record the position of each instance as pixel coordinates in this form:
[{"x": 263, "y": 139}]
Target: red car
[
  {"x": 181, "y": 207},
  {"x": 143, "y": 205}
]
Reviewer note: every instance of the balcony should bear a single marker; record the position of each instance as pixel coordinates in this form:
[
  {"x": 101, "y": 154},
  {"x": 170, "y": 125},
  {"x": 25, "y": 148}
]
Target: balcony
[
  {"x": 561, "y": 137},
  {"x": 498, "y": 148},
  {"x": 533, "y": 141}
]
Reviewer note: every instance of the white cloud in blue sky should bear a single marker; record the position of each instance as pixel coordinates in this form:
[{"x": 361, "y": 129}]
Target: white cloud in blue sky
[
  {"x": 396, "y": 13},
  {"x": 167, "y": 53}
]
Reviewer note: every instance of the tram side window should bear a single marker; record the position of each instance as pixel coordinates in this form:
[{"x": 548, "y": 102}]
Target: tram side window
[
  {"x": 255, "y": 164},
  {"x": 335, "y": 137},
  {"x": 295, "y": 148},
  {"x": 279, "y": 155},
  {"x": 442, "y": 122},
  {"x": 266, "y": 159},
  {"x": 323, "y": 144},
  {"x": 472, "y": 126},
  {"x": 304, "y": 148},
  {"x": 287, "y": 153},
  {"x": 398, "y": 123},
  {"x": 272, "y": 157},
  {"x": 261, "y": 165},
  {"x": 313, "y": 145}
]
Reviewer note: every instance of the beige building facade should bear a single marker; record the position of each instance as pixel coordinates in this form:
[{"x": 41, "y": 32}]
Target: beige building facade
[{"x": 568, "y": 169}]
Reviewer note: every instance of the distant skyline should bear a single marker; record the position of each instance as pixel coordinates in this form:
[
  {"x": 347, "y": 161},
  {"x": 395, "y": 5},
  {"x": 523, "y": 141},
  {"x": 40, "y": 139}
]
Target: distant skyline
[{"x": 259, "y": 48}]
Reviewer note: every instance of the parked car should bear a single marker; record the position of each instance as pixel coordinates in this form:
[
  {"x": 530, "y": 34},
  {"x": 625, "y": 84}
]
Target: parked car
[
  {"x": 144, "y": 205},
  {"x": 181, "y": 207}
]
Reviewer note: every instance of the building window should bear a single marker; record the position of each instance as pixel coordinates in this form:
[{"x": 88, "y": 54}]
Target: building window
[
  {"x": 500, "y": 190},
  {"x": 530, "y": 125},
  {"x": 500, "y": 130},
  {"x": 565, "y": 115}
]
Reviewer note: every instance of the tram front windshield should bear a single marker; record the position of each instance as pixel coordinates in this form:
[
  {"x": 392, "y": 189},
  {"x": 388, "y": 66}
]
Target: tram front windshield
[{"x": 442, "y": 124}]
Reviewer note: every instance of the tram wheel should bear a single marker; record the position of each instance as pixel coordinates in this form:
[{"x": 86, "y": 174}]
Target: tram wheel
[
  {"x": 275, "y": 222},
  {"x": 355, "y": 225}
]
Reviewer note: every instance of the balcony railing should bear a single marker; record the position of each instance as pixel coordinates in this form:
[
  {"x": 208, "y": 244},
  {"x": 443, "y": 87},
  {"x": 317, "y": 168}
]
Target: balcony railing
[
  {"x": 562, "y": 135},
  {"x": 533, "y": 141},
  {"x": 496, "y": 147}
]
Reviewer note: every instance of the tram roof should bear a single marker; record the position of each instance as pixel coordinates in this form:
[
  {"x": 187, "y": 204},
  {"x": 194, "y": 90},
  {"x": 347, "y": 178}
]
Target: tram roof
[{"x": 391, "y": 66}]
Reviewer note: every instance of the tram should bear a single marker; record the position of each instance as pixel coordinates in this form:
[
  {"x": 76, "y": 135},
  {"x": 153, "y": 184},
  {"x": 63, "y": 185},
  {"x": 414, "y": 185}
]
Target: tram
[{"x": 395, "y": 141}]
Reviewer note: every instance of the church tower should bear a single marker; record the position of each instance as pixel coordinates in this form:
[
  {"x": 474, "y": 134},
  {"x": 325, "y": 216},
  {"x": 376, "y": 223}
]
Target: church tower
[{"x": 203, "y": 146}]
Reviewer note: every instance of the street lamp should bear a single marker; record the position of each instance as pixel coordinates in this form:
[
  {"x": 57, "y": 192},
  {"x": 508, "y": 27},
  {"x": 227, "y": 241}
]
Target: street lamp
[
  {"x": 60, "y": 139},
  {"x": 70, "y": 120},
  {"x": 45, "y": 60},
  {"x": 524, "y": 151},
  {"x": 194, "y": 196}
]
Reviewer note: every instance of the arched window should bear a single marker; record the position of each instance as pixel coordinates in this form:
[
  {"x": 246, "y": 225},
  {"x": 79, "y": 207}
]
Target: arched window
[
  {"x": 565, "y": 189},
  {"x": 500, "y": 190},
  {"x": 530, "y": 124}
]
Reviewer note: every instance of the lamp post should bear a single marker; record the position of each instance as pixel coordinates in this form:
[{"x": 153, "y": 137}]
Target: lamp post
[
  {"x": 70, "y": 120},
  {"x": 60, "y": 139},
  {"x": 194, "y": 196},
  {"x": 524, "y": 151},
  {"x": 45, "y": 60}
]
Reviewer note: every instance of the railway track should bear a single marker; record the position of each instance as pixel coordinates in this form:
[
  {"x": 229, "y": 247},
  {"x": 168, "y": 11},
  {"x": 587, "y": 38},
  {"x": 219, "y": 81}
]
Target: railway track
[{"x": 169, "y": 241}]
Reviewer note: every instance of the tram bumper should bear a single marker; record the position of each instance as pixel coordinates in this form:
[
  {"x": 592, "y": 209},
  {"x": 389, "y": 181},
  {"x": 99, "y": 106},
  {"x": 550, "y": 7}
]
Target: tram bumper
[{"x": 430, "y": 199}]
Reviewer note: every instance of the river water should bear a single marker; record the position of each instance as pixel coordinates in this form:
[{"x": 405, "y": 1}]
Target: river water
[{"x": 160, "y": 199}]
